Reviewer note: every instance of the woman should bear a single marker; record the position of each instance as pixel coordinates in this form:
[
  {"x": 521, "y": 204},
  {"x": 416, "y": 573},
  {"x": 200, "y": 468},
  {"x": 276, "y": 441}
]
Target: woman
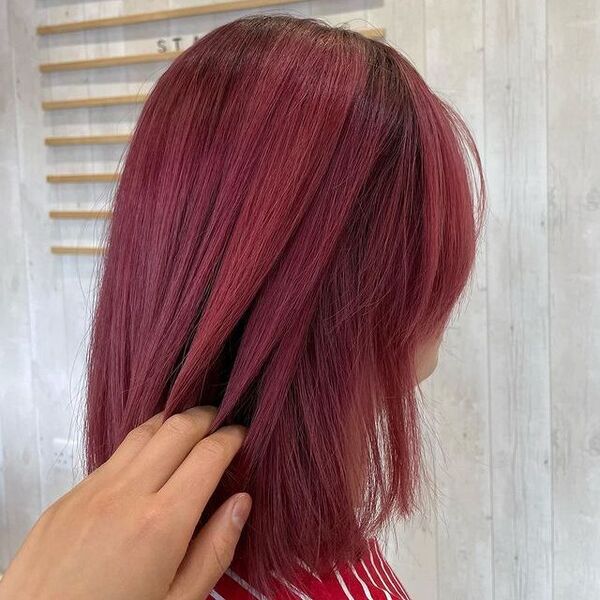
[
  {"x": 294, "y": 223},
  {"x": 296, "y": 219}
]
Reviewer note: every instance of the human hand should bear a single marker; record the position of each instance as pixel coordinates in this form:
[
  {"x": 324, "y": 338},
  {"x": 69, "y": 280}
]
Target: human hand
[{"x": 125, "y": 532}]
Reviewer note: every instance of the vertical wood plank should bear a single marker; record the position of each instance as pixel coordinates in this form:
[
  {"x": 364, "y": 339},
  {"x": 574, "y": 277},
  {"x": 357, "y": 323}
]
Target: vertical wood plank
[
  {"x": 515, "y": 133},
  {"x": 4, "y": 509},
  {"x": 18, "y": 415},
  {"x": 411, "y": 546},
  {"x": 404, "y": 24},
  {"x": 454, "y": 58},
  {"x": 574, "y": 184}
]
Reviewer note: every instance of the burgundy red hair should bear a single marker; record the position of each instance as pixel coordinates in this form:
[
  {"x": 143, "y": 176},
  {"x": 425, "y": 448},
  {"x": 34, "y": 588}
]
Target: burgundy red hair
[{"x": 297, "y": 213}]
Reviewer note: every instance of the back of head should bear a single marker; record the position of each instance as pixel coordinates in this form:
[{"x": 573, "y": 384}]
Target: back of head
[{"x": 296, "y": 214}]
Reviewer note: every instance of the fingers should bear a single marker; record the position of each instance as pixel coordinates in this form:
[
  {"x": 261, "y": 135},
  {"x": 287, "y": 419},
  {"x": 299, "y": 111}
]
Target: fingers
[
  {"x": 133, "y": 443},
  {"x": 193, "y": 483},
  {"x": 211, "y": 552},
  {"x": 168, "y": 447}
]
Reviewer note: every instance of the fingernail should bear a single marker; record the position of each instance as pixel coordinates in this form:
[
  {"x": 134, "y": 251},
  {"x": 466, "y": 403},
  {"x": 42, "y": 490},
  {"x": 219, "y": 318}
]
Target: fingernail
[{"x": 241, "y": 509}]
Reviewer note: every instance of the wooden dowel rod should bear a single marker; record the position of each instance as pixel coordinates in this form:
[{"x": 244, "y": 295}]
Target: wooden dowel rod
[
  {"x": 80, "y": 214},
  {"x": 373, "y": 33},
  {"x": 117, "y": 61},
  {"x": 88, "y": 139},
  {"x": 159, "y": 15},
  {"x": 94, "y": 102},
  {"x": 83, "y": 178},
  {"x": 76, "y": 250},
  {"x": 111, "y": 61}
]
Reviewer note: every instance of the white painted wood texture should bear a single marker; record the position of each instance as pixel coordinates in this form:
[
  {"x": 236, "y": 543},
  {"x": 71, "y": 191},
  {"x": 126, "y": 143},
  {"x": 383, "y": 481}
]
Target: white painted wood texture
[
  {"x": 518, "y": 314},
  {"x": 20, "y": 483},
  {"x": 512, "y": 416},
  {"x": 574, "y": 264}
]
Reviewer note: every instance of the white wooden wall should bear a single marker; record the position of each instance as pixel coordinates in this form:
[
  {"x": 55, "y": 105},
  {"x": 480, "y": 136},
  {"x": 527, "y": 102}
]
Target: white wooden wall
[{"x": 513, "y": 412}]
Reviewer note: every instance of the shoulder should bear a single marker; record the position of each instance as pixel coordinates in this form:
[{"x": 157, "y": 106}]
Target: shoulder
[{"x": 370, "y": 578}]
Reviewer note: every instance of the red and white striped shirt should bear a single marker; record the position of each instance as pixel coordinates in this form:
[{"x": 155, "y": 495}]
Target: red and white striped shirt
[{"x": 371, "y": 578}]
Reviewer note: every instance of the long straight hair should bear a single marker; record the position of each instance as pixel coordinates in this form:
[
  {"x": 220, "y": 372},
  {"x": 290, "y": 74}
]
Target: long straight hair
[{"x": 297, "y": 213}]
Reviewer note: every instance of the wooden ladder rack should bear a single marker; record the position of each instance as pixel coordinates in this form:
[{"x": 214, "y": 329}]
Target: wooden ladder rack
[{"x": 160, "y": 15}]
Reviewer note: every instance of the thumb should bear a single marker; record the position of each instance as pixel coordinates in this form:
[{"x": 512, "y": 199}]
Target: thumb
[{"x": 210, "y": 553}]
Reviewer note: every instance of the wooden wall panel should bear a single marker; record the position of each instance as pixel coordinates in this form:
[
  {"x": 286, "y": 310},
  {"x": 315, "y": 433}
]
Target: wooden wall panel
[
  {"x": 512, "y": 419},
  {"x": 454, "y": 69},
  {"x": 47, "y": 279},
  {"x": 20, "y": 490},
  {"x": 517, "y": 243},
  {"x": 411, "y": 546},
  {"x": 574, "y": 224}
]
